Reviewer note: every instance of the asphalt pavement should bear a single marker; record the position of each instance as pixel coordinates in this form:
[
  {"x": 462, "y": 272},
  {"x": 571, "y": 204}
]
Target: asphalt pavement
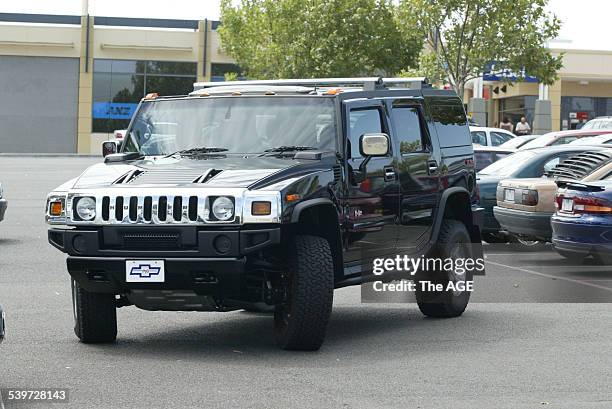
[{"x": 539, "y": 334}]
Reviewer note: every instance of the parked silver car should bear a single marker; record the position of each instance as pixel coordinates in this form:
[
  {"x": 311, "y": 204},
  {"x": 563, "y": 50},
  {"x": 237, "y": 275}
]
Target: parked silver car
[{"x": 3, "y": 203}]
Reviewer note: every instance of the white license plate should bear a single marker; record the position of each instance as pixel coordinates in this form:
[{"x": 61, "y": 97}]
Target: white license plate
[
  {"x": 144, "y": 271},
  {"x": 567, "y": 205},
  {"x": 509, "y": 195}
]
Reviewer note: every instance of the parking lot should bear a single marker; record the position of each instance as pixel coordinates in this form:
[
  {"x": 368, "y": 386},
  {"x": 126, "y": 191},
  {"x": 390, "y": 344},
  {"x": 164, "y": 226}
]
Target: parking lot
[{"x": 538, "y": 333}]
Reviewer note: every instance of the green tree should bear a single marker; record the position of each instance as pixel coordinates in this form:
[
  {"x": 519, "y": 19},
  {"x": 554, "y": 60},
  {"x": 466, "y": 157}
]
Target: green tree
[
  {"x": 315, "y": 38},
  {"x": 463, "y": 36}
]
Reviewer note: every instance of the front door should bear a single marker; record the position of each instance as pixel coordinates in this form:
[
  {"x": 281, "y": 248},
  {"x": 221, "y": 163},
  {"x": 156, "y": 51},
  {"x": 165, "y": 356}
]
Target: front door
[{"x": 372, "y": 205}]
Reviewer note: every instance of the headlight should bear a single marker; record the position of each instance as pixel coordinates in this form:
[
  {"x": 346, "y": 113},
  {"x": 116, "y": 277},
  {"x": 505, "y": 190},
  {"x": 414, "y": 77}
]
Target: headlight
[
  {"x": 86, "y": 208},
  {"x": 223, "y": 208}
]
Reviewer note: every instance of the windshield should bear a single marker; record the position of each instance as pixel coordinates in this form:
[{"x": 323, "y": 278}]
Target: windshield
[
  {"x": 236, "y": 124},
  {"x": 598, "y": 124},
  {"x": 540, "y": 142},
  {"x": 508, "y": 165}
]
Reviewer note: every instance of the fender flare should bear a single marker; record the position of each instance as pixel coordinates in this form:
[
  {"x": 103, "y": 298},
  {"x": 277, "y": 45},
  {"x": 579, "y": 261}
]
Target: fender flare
[
  {"x": 307, "y": 204},
  {"x": 439, "y": 217}
]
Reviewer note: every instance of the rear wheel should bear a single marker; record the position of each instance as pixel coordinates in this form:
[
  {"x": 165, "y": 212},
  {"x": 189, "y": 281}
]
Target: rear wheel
[
  {"x": 300, "y": 322},
  {"x": 493, "y": 238},
  {"x": 95, "y": 316},
  {"x": 453, "y": 243}
]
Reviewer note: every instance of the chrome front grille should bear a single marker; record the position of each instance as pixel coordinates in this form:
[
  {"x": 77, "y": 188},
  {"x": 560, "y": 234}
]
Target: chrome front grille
[
  {"x": 138, "y": 206},
  {"x": 153, "y": 209}
]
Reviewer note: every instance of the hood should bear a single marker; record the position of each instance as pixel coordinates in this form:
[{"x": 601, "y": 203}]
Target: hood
[{"x": 236, "y": 171}]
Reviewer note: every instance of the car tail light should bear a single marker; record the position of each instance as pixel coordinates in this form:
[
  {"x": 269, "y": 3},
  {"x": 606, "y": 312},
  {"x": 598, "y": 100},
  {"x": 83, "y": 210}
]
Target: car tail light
[
  {"x": 583, "y": 205},
  {"x": 530, "y": 197}
]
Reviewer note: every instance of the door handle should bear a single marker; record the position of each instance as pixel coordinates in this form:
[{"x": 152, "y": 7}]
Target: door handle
[
  {"x": 390, "y": 174},
  {"x": 432, "y": 166}
]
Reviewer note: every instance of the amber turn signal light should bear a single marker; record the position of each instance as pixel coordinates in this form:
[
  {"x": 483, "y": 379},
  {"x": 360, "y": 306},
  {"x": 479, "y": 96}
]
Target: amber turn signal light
[
  {"x": 261, "y": 208},
  {"x": 55, "y": 209},
  {"x": 293, "y": 197}
]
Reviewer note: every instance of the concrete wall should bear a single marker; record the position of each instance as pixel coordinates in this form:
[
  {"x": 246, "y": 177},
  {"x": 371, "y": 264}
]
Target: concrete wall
[{"x": 38, "y": 104}]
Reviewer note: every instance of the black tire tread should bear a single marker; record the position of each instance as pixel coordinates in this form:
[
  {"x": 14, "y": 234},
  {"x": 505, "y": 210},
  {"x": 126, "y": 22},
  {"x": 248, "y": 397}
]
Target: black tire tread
[
  {"x": 427, "y": 306},
  {"x": 96, "y": 320},
  {"x": 311, "y": 264}
]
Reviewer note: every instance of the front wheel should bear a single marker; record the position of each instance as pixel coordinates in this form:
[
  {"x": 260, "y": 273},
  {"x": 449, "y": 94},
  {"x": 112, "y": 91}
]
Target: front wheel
[
  {"x": 95, "y": 316},
  {"x": 453, "y": 243},
  {"x": 300, "y": 321}
]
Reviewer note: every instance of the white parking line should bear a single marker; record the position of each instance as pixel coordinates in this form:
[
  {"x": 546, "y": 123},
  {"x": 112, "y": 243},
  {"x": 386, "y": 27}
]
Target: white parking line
[
  {"x": 537, "y": 273},
  {"x": 1, "y": 401}
]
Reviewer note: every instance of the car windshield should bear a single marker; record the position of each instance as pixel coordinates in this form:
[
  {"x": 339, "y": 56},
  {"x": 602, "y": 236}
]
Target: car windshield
[
  {"x": 540, "y": 141},
  {"x": 232, "y": 125},
  {"x": 517, "y": 142},
  {"x": 598, "y": 124},
  {"x": 509, "y": 165}
]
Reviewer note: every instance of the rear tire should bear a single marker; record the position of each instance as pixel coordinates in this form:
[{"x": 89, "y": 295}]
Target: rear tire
[
  {"x": 301, "y": 321},
  {"x": 453, "y": 242},
  {"x": 95, "y": 316},
  {"x": 494, "y": 238}
]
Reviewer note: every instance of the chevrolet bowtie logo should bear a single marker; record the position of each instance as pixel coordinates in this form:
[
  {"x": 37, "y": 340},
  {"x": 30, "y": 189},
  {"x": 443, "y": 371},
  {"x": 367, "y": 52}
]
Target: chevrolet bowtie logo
[{"x": 144, "y": 270}]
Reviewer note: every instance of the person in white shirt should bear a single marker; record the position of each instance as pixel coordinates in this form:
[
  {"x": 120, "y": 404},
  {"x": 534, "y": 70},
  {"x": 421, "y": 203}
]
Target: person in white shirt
[{"x": 522, "y": 128}]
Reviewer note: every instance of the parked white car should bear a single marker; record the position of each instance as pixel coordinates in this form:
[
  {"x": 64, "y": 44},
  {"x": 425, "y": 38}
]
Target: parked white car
[{"x": 489, "y": 136}]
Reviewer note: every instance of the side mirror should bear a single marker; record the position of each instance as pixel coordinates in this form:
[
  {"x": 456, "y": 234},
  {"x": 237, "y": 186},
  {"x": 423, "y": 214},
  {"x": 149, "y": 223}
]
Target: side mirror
[
  {"x": 110, "y": 147},
  {"x": 374, "y": 144}
]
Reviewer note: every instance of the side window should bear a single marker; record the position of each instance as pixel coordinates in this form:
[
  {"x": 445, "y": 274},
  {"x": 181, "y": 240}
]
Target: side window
[
  {"x": 479, "y": 137},
  {"x": 407, "y": 126},
  {"x": 500, "y": 155},
  {"x": 362, "y": 121},
  {"x": 497, "y": 138},
  {"x": 451, "y": 124}
]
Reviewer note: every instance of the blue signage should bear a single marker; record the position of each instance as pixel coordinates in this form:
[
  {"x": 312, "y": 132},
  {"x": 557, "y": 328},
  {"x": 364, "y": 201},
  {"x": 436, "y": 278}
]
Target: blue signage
[
  {"x": 113, "y": 110},
  {"x": 495, "y": 71}
]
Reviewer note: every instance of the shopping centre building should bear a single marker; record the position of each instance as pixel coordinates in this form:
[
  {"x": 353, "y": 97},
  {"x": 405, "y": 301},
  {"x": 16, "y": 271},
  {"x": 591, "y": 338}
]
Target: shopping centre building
[
  {"x": 67, "y": 82},
  {"x": 582, "y": 92}
]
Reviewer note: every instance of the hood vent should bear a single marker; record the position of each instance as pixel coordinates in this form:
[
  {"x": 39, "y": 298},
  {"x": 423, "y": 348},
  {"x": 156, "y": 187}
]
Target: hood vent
[{"x": 166, "y": 176}]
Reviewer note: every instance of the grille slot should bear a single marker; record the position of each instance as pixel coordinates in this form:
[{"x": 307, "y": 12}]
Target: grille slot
[
  {"x": 163, "y": 209},
  {"x": 150, "y": 240}
]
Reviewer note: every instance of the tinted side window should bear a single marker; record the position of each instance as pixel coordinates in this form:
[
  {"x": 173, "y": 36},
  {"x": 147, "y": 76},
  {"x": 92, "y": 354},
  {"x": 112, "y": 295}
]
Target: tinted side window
[
  {"x": 482, "y": 159},
  {"x": 564, "y": 140},
  {"x": 479, "y": 137},
  {"x": 451, "y": 125},
  {"x": 362, "y": 121},
  {"x": 407, "y": 126}
]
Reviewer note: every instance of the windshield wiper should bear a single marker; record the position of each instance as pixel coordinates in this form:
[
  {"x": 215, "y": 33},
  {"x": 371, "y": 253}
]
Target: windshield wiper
[
  {"x": 203, "y": 150},
  {"x": 287, "y": 148}
]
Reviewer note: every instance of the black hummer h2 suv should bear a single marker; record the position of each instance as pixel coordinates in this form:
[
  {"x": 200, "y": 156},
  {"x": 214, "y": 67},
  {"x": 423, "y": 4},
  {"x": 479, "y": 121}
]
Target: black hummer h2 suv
[{"x": 268, "y": 194}]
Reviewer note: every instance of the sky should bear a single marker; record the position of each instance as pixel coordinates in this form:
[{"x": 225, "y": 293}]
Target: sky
[{"x": 583, "y": 27}]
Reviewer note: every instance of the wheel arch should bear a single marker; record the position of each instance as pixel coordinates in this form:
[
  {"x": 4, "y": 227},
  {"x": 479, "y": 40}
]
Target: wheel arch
[
  {"x": 319, "y": 217},
  {"x": 455, "y": 204}
]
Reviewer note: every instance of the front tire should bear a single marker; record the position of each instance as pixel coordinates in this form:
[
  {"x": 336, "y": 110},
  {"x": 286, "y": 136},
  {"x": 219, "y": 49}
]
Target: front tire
[
  {"x": 453, "y": 243},
  {"x": 95, "y": 316},
  {"x": 300, "y": 322}
]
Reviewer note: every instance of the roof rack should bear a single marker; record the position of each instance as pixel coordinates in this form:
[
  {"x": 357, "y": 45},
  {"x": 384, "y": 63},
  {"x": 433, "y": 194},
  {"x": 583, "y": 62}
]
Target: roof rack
[{"x": 367, "y": 83}]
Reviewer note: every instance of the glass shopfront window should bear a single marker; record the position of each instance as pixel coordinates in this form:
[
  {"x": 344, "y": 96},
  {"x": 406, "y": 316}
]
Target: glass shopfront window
[
  {"x": 218, "y": 71},
  {"x": 516, "y": 107},
  {"x": 118, "y": 86},
  {"x": 575, "y": 111}
]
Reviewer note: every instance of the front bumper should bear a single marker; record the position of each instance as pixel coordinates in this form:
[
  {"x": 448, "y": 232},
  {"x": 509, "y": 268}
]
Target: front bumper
[
  {"x": 3, "y": 206},
  {"x": 97, "y": 257},
  {"x": 530, "y": 224}
]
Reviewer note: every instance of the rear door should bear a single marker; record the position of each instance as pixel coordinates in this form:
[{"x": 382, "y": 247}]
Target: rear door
[
  {"x": 372, "y": 204},
  {"x": 418, "y": 173}
]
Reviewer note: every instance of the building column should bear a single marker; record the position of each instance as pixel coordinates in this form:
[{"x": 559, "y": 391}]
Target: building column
[
  {"x": 477, "y": 106},
  {"x": 84, "y": 121},
  {"x": 204, "y": 33},
  {"x": 554, "y": 94},
  {"x": 542, "y": 121}
]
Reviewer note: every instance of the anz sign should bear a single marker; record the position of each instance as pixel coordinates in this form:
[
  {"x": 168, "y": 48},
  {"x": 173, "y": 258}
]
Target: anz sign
[
  {"x": 113, "y": 110},
  {"x": 495, "y": 71}
]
